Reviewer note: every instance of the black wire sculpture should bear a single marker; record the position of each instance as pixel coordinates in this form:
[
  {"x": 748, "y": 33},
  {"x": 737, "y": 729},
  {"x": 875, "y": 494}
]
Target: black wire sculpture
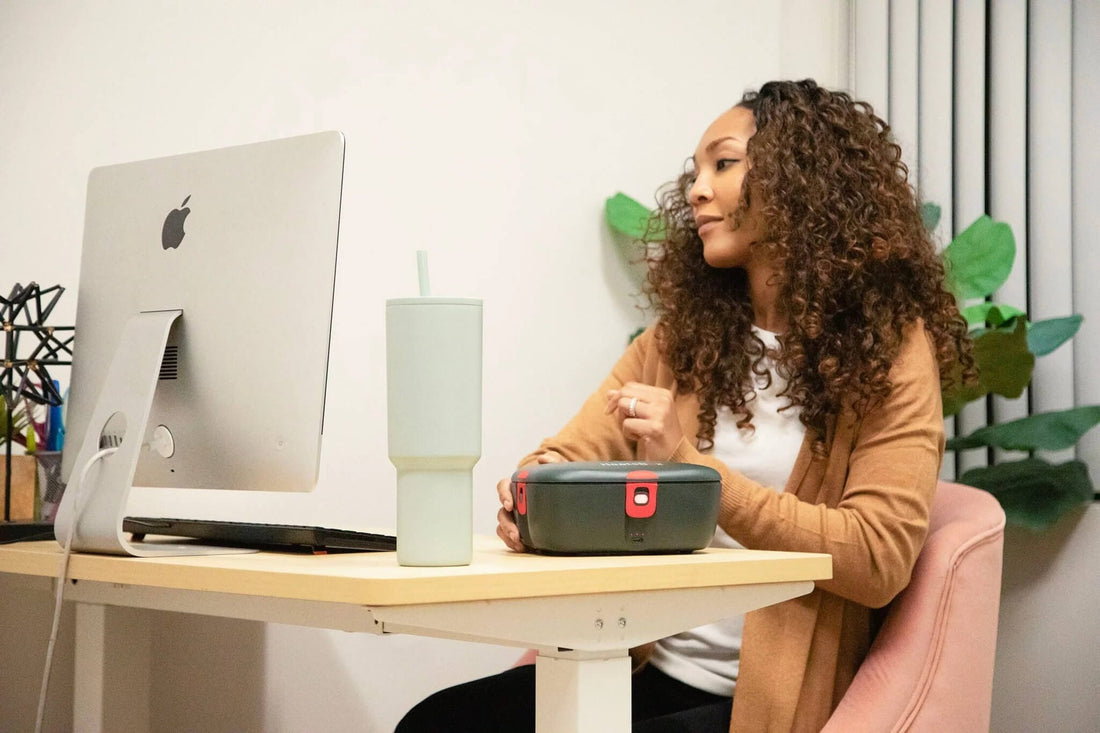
[{"x": 23, "y": 317}]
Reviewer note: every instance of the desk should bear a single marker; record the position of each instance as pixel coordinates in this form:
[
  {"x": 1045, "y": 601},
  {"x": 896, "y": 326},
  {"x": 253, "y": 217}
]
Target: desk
[{"x": 582, "y": 614}]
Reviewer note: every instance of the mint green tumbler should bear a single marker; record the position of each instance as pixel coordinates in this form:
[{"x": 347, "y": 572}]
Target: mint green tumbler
[{"x": 433, "y": 392}]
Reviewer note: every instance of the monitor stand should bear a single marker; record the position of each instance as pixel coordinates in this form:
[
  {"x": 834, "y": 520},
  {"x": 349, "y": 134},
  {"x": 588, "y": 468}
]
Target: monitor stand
[{"x": 125, "y": 400}]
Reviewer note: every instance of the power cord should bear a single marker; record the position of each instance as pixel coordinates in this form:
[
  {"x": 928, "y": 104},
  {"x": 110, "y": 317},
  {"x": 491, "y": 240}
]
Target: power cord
[{"x": 61, "y": 577}]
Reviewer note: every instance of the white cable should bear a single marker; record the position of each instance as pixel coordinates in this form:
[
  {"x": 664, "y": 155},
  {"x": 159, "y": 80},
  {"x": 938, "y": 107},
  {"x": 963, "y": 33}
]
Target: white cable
[{"x": 67, "y": 547}]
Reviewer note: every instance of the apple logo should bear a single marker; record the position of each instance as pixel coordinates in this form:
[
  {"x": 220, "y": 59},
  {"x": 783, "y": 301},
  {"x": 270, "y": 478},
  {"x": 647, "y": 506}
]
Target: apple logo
[{"x": 172, "y": 233}]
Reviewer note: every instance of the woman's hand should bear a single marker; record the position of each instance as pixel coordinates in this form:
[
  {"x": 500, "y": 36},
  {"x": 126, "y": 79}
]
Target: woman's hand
[
  {"x": 646, "y": 414},
  {"x": 507, "y": 530}
]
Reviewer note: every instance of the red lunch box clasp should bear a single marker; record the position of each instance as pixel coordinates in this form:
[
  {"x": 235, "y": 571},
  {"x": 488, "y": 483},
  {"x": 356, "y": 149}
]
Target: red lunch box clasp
[{"x": 641, "y": 494}]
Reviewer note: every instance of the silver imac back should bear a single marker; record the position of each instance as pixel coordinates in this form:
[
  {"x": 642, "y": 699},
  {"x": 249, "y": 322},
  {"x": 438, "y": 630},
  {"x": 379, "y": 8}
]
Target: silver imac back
[{"x": 239, "y": 245}]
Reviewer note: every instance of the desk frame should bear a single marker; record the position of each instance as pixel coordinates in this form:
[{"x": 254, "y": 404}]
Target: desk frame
[{"x": 582, "y": 638}]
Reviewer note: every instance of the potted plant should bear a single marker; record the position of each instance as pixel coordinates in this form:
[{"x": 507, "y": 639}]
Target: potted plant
[
  {"x": 18, "y": 492},
  {"x": 29, "y": 397},
  {"x": 1033, "y": 492}
]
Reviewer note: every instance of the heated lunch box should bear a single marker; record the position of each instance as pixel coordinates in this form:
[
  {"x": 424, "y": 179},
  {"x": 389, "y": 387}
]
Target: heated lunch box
[{"x": 616, "y": 507}]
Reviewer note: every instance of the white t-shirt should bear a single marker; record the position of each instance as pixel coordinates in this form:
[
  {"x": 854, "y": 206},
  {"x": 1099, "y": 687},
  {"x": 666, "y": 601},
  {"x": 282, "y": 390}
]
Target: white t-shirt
[{"x": 707, "y": 657}]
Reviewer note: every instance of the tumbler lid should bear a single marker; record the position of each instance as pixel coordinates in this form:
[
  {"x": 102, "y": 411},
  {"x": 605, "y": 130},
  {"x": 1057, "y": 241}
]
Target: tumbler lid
[{"x": 433, "y": 300}]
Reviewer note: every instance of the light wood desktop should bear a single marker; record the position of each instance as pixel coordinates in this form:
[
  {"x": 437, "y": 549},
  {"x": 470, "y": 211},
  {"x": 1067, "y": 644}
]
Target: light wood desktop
[{"x": 582, "y": 614}]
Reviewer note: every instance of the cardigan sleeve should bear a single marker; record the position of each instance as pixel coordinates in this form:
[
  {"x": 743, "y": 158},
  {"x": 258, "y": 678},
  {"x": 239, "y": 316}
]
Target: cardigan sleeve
[
  {"x": 877, "y": 528},
  {"x": 593, "y": 435}
]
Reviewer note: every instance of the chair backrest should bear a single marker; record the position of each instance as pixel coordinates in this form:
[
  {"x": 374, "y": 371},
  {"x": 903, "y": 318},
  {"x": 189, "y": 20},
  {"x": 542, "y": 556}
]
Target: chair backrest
[{"x": 931, "y": 666}]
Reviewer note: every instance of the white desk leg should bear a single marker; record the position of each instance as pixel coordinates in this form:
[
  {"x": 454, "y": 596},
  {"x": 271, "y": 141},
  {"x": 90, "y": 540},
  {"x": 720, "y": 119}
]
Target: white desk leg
[
  {"x": 111, "y": 684},
  {"x": 574, "y": 695}
]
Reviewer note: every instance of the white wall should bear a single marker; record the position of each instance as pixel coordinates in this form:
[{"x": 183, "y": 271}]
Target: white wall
[
  {"x": 1047, "y": 649},
  {"x": 490, "y": 134}
]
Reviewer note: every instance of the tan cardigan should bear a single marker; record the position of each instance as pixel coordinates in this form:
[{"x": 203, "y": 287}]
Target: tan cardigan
[{"x": 866, "y": 504}]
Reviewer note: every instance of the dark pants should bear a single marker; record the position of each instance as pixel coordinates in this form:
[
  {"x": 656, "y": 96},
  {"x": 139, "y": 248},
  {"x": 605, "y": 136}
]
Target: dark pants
[{"x": 505, "y": 703}]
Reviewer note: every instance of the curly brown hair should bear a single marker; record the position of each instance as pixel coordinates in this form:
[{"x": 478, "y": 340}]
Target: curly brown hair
[{"x": 856, "y": 266}]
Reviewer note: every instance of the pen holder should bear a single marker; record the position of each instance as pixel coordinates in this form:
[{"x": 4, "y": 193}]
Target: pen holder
[
  {"x": 21, "y": 491},
  {"x": 433, "y": 388},
  {"x": 35, "y": 487},
  {"x": 50, "y": 485}
]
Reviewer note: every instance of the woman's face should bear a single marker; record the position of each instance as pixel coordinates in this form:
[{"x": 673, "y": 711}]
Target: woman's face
[{"x": 721, "y": 162}]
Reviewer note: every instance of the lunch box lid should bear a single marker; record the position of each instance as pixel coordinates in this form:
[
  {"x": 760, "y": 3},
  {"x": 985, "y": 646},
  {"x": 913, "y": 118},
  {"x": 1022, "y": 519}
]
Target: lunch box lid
[{"x": 617, "y": 472}]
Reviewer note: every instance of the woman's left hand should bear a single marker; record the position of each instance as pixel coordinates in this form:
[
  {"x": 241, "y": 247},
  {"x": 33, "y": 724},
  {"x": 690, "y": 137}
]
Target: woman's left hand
[{"x": 647, "y": 414}]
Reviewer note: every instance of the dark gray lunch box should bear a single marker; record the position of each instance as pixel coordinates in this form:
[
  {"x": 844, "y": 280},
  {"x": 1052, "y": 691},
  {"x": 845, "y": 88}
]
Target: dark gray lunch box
[{"x": 616, "y": 507}]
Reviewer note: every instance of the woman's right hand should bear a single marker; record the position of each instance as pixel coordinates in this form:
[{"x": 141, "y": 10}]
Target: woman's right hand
[{"x": 507, "y": 530}]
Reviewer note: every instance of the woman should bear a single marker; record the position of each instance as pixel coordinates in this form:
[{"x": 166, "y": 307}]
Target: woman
[{"x": 803, "y": 330}]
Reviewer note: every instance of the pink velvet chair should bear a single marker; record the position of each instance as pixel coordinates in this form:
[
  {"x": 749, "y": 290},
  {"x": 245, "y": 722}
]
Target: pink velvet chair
[{"x": 931, "y": 666}]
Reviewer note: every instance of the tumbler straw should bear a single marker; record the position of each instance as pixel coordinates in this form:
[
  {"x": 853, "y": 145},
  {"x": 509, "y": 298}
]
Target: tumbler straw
[{"x": 422, "y": 272}]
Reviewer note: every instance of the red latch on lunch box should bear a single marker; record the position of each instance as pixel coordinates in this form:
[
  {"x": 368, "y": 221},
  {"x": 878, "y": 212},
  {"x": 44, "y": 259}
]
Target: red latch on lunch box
[
  {"x": 641, "y": 494},
  {"x": 521, "y": 492}
]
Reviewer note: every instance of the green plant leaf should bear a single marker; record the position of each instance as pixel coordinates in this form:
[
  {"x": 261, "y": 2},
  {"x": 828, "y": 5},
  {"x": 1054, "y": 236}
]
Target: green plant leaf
[
  {"x": 1043, "y": 431},
  {"x": 1044, "y": 337},
  {"x": 1034, "y": 493},
  {"x": 959, "y": 394},
  {"x": 1004, "y": 366},
  {"x": 627, "y": 216},
  {"x": 1004, "y": 361},
  {"x": 930, "y": 215},
  {"x": 992, "y": 313},
  {"x": 19, "y": 421},
  {"x": 980, "y": 258}
]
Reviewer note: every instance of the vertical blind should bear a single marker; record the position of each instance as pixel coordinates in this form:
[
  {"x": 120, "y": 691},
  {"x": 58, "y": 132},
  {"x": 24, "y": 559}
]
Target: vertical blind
[{"x": 992, "y": 107}]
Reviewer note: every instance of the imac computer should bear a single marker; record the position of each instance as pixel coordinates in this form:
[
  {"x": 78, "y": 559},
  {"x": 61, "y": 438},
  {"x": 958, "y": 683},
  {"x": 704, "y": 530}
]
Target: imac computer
[{"x": 202, "y": 330}]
